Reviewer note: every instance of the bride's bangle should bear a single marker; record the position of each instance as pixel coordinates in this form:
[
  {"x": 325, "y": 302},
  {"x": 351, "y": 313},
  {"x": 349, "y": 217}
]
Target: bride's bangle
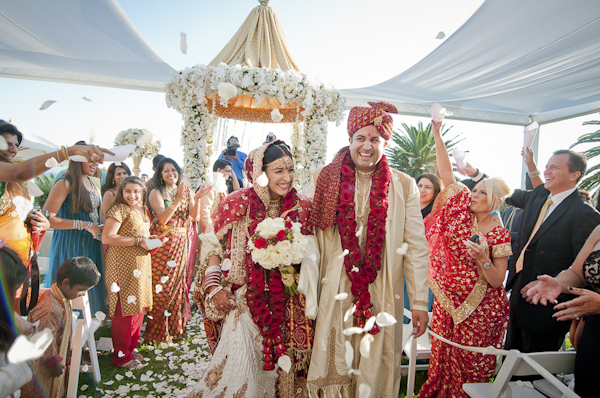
[{"x": 214, "y": 291}]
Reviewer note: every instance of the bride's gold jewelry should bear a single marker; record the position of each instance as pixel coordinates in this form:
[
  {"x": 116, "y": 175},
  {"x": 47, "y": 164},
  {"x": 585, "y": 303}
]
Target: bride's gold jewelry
[
  {"x": 273, "y": 208},
  {"x": 284, "y": 162}
]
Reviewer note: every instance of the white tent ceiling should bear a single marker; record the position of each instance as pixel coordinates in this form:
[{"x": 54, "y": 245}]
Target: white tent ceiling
[
  {"x": 513, "y": 59},
  {"x": 73, "y": 41}
]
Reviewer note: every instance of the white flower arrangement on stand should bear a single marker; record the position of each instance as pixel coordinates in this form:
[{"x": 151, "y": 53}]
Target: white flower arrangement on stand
[
  {"x": 146, "y": 146},
  {"x": 187, "y": 91}
]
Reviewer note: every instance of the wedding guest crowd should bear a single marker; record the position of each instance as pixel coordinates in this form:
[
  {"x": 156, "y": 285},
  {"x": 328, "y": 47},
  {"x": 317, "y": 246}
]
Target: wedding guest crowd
[{"x": 300, "y": 295}]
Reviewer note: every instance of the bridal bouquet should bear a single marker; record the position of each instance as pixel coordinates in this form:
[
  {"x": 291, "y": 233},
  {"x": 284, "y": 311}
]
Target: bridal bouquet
[{"x": 279, "y": 243}]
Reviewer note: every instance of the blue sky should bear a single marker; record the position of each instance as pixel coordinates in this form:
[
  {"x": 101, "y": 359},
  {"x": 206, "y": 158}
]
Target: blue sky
[{"x": 349, "y": 43}]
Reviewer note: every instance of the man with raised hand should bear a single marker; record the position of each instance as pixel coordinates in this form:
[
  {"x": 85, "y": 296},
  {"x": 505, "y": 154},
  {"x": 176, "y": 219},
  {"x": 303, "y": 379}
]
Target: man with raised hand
[{"x": 370, "y": 231}]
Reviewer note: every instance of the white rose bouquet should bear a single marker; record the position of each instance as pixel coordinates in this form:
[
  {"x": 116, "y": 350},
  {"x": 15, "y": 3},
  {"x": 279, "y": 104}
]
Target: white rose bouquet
[
  {"x": 146, "y": 144},
  {"x": 279, "y": 243}
]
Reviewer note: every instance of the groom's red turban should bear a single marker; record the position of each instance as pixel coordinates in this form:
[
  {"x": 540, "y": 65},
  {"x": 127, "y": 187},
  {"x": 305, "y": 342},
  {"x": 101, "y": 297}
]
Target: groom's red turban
[{"x": 377, "y": 115}]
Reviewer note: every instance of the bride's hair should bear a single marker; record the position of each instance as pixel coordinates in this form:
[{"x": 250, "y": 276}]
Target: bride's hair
[
  {"x": 497, "y": 189},
  {"x": 276, "y": 150}
]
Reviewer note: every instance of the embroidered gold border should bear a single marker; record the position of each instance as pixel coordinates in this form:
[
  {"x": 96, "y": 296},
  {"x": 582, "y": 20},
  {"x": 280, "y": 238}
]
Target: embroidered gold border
[
  {"x": 447, "y": 193},
  {"x": 502, "y": 250},
  {"x": 467, "y": 307},
  {"x": 332, "y": 378}
]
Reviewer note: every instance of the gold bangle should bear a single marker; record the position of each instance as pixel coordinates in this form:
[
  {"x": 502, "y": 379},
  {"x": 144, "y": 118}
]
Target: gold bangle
[
  {"x": 64, "y": 151},
  {"x": 173, "y": 207}
]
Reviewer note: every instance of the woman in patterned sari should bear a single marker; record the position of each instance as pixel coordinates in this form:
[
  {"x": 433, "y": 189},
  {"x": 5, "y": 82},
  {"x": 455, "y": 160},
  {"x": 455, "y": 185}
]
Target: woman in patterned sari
[
  {"x": 174, "y": 206},
  {"x": 259, "y": 333},
  {"x": 470, "y": 306}
]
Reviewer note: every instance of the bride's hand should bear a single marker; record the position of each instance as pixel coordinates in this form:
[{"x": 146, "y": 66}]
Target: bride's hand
[{"x": 222, "y": 303}]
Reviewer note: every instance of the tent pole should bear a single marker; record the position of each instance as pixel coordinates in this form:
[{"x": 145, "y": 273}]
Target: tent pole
[{"x": 534, "y": 145}]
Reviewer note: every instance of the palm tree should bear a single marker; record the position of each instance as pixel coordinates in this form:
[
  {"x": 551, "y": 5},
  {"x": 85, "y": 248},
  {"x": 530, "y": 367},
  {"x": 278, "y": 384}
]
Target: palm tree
[
  {"x": 414, "y": 149},
  {"x": 592, "y": 179}
]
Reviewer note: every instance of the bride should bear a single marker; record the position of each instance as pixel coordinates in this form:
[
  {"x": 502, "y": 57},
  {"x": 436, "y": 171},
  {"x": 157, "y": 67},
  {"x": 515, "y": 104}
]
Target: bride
[{"x": 258, "y": 309}]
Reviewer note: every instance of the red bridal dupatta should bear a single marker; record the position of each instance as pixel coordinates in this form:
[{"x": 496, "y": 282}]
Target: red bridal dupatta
[{"x": 466, "y": 310}]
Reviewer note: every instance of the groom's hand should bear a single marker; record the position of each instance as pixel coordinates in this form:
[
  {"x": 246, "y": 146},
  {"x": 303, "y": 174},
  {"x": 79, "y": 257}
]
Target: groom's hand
[{"x": 419, "y": 321}]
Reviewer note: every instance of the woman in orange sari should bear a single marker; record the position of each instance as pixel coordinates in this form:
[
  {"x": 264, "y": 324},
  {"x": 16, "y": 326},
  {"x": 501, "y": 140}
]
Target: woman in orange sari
[{"x": 470, "y": 306}]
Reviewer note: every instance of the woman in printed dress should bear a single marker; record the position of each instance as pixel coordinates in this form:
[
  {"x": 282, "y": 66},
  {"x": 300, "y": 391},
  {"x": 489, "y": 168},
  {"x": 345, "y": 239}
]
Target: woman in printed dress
[
  {"x": 260, "y": 334},
  {"x": 114, "y": 177},
  {"x": 470, "y": 306},
  {"x": 174, "y": 207}
]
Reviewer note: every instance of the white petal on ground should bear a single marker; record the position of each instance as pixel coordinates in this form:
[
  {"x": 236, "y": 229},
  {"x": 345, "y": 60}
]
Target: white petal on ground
[
  {"x": 172, "y": 264},
  {"x": 163, "y": 345},
  {"x": 440, "y": 36},
  {"x": 4, "y": 144},
  {"x": 120, "y": 354},
  {"x": 109, "y": 383},
  {"x": 137, "y": 273},
  {"x": 129, "y": 374},
  {"x": 263, "y": 180},
  {"x": 119, "y": 377},
  {"x": 183, "y": 42},
  {"x": 276, "y": 116},
  {"x": 50, "y": 163},
  {"x": 349, "y": 353},
  {"x": 341, "y": 296},
  {"x": 344, "y": 254},
  {"x": 158, "y": 288},
  {"x": 384, "y": 319},
  {"x": 402, "y": 250},
  {"x": 131, "y": 299},
  {"x": 163, "y": 279},
  {"x": 84, "y": 387},
  {"x": 227, "y": 90},
  {"x": 285, "y": 363},
  {"x": 226, "y": 265},
  {"x": 46, "y": 104},
  {"x": 114, "y": 287},
  {"x": 369, "y": 324},
  {"x": 360, "y": 231},
  {"x": 349, "y": 313},
  {"x": 100, "y": 315},
  {"x": 364, "y": 391},
  {"x": 365, "y": 345},
  {"x": 353, "y": 330},
  {"x": 167, "y": 313}
]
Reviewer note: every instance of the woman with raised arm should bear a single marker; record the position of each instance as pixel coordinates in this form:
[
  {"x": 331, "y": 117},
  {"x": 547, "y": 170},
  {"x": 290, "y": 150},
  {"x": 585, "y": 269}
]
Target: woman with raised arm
[
  {"x": 583, "y": 280},
  {"x": 74, "y": 204},
  {"x": 258, "y": 326},
  {"x": 466, "y": 275}
]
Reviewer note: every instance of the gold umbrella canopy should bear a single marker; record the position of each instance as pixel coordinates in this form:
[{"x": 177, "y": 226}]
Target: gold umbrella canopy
[{"x": 260, "y": 42}]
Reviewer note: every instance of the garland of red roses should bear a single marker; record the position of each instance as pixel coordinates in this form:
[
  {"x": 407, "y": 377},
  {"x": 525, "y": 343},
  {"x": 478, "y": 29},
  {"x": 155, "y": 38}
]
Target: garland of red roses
[
  {"x": 368, "y": 266},
  {"x": 266, "y": 296}
]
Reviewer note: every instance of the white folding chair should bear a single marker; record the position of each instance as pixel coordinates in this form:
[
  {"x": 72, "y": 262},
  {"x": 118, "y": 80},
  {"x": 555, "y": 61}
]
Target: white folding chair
[
  {"x": 419, "y": 348},
  {"x": 84, "y": 333},
  {"x": 519, "y": 364}
]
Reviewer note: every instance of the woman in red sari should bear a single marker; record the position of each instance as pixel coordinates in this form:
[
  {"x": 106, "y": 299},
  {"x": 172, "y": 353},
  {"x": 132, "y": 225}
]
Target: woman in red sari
[{"x": 470, "y": 306}]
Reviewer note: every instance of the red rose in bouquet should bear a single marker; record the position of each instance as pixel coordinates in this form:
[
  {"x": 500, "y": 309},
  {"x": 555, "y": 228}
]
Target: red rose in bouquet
[
  {"x": 280, "y": 236},
  {"x": 261, "y": 243},
  {"x": 274, "y": 332}
]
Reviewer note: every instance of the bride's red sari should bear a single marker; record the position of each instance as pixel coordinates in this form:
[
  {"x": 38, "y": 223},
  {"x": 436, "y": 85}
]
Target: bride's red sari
[{"x": 466, "y": 309}]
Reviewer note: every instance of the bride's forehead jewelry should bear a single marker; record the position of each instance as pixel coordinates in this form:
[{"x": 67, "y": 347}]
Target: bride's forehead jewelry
[{"x": 284, "y": 163}]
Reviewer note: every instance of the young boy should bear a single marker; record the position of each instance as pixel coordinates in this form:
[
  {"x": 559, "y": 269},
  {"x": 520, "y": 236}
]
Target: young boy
[{"x": 74, "y": 277}]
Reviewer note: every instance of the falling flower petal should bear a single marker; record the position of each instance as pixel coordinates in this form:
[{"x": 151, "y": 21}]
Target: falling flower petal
[
  {"x": 324, "y": 281},
  {"x": 183, "y": 42},
  {"x": 118, "y": 164},
  {"x": 146, "y": 138},
  {"x": 23, "y": 206},
  {"x": 364, "y": 391},
  {"x": 365, "y": 345},
  {"x": 352, "y": 330},
  {"x": 24, "y": 349},
  {"x": 120, "y": 354},
  {"x": 227, "y": 91},
  {"x": 440, "y": 36},
  {"x": 33, "y": 189},
  {"x": 137, "y": 273},
  {"x": 46, "y": 104},
  {"x": 163, "y": 279},
  {"x": 114, "y": 287},
  {"x": 402, "y": 250},
  {"x": 153, "y": 243},
  {"x": 172, "y": 264},
  {"x": 149, "y": 317},
  {"x": 86, "y": 99},
  {"x": 158, "y": 288},
  {"x": 226, "y": 265},
  {"x": 323, "y": 345},
  {"x": 313, "y": 257},
  {"x": 360, "y": 231},
  {"x": 167, "y": 313},
  {"x": 3, "y": 144},
  {"x": 341, "y": 296},
  {"x": 131, "y": 299},
  {"x": 276, "y": 116},
  {"x": 50, "y": 162},
  {"x": 349, "y": 353},
  {"x": 100, "y": 315},
  {"x": 369, "y": 324},
  {"x": 344, "y": 254},
  {"x": 349, "y": 313},
  {"x": 262, "y": 180},
  {"x": 90, "y": 136},
  {"x": 285, "y": 363},
  {"x": 398, "y": 297},
  {"x": 354, "y": 371},
  {"x": 385, "y": 319},
  {"x": 85, "y": 368},
  {"x": 355, "y": 269}
]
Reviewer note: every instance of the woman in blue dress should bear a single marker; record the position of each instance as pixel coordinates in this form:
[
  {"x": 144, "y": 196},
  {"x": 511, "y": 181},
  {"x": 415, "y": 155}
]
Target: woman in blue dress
[{"x": 74, "y": 203}]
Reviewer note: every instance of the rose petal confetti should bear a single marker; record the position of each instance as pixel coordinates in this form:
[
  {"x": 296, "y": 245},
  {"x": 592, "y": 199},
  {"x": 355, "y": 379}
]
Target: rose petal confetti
[
  {"x": 369, "y": 324},
  {"x": 86, "y": 99},
  {"x": 285, "y": 363},
  {"x": 163, "y": 345},
  {"x": 263, "y": 180},
  {"x": 183, "y": 42},
  {"x": 149, "y": 317},
  {"x": 276, "y": 116},
  {"x": 226, "y": 265},
  {"x": 352, "y": 330},
  {"x": 85, "y": 368},
  {"x": 349, "y": 353},
  {"x": 364, "y": 391},
  {"x": 349, "y": 313},
  {"x": 324, "y": 281},
  {"x": 129, "y": 374},
  {"x": 137, "y": 273},
  {"x": 119, "y": 377},
  {"x": 354, "y": 371},
  {"x": 100, "y": 315},
  {"x": 163, "y": 279},
  {"x": 384, "y": 319},
  {"x": 24, "y": 349},
  {"x": 4, "y": 146},
  {"x": 341, "y": 296},
  {"x": 50, "y": 162},
  {"x": 172, "y": 264},
  {"x": 402, "y": 250},
  {"x": 365, "y": 345},
  {"x": 355, "y": 269},
  {"x": 23, "y": 206},
  {"x": 46, "y": 104},
  {"x": 440, "y": 36},
  {"x": 344, "y": 254},
  {"x": 359, "y": 232},
  {"x": 227, "y": 90},
  {"x": 158, "y": 288},
  {"x": 167, "y": 313},
  {"x": 114, "y": 287},
  {"x": 109, "y": 383},
  {"x": 120, "y": 354},
  {"x": 84, "y": 387},
  {"x": 131, "y": 299}
]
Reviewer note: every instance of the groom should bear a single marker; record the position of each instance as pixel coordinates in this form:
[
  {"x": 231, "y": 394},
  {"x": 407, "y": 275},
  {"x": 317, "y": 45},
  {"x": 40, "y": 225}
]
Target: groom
[{"x": 370, "y": 231}]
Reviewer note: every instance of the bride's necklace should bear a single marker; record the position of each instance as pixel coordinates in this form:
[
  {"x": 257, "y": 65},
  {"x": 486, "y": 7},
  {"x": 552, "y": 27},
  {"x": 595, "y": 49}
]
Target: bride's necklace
[{"x": 273, "y": 208}]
